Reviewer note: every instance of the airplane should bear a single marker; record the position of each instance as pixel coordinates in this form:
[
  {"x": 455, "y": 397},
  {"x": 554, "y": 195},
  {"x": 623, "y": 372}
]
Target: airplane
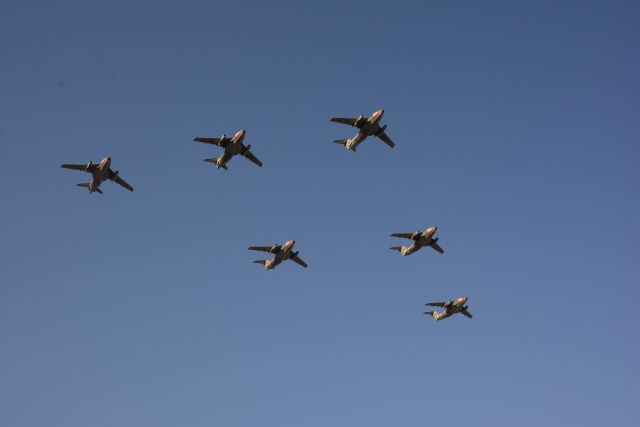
[
  {"x": 450, "y": 308},
  {"x": 101, "y": 172},
  {"x": 368, "y": 126},
  {"x": 420, "y": 240},
  {"x": 232, "y": 146},
  {"x": 282, "y": 253}
]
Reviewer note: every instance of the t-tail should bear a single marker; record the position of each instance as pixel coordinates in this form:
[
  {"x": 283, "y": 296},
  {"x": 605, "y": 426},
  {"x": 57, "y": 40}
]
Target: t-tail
[
  {"x": 344, "y": 142},
  {"x": 262, "y": 261},
  {"x": 400, "y": 249},
  {"x": 87, "y": 185},
  {"x": 215, "y": 162}
]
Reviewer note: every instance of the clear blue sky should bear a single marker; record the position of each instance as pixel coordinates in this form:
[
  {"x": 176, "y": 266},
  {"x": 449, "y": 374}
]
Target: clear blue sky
[{"x": 517, "y": 130}]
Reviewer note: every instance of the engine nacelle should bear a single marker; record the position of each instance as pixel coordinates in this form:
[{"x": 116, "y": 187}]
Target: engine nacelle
[
  {"x": 115, "y": 174},
  {"x": 223, "y": 137},
  {"x": 416, "y": 235},
  {"x": 359, "y": 121},
  {"x": 89, "y": 165},
  {"x": 246, "y": 148},
  {"x": 294, "y": 254},
  {"x": 274, "y": 248},
  {"x": 381, "y": 130}
]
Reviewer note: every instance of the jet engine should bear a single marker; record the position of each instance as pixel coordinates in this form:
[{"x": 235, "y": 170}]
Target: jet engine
[
  {"x": 89, "y": 165},
  {"x": 293, "y": 254},
  {"x": 223, "y": 137},
  {"x": 358, "y": 121},
  {"x": 246, "y": 149},
  {"x": 274, "y": 248},
  {"x": 381, "y": 130},
  {"x": 115, "y": 174},
  {"x": 416, "y": 235}
]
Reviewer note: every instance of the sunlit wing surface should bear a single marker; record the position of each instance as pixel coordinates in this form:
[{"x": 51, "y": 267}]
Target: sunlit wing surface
[
  {"x": 437, "y": 247},
  {"x": 344, "y": 120},
  {"x": 120, "y": 181},
  {"x": 436, "y": 304},
  {"x": 298, "y": 260},
  {"x": 220, "y": 142},
  {"x": 385, "y": 138},
  {"x": 249, "y": 155},
  {"x": 466, "y": 313},
  {"x": 90, "y": 169},
  {"x": 264, "y": 248},
  {"x": 402, "y": 235}
]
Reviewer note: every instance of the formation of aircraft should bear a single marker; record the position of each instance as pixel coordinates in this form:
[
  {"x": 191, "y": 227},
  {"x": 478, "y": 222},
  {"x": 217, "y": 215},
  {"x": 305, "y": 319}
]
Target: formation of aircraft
[
  {"x": 420, "y": 240},
  {"x": 100, "y": 172},
  {"x": 450, "y": 308},
  {"x": 233, "y": 146},
  {"x": 367, "y": 126},
  {"x": 281, "y": 253}
]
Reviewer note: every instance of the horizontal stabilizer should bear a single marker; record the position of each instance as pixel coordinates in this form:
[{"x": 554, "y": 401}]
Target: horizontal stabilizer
[
  {"x": 260, "y": 261},
  {"x": 396, "y": 248},
  {"x": 215, "y": 162},
  {"x": 341, "y": 141},
  {"x": 84, "y": 184}
]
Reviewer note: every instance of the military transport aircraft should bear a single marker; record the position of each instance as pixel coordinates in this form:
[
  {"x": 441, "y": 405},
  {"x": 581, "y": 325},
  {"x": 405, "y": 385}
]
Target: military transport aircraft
[
  {"x": 101, "y": 172},
  {"x": 368, "y": 126},
  {"x": 232, "y": 146},
  {"x": 450, "y": 308},
  {"x": 282, "y": 252},
  {"x": 420, "y": 240}
]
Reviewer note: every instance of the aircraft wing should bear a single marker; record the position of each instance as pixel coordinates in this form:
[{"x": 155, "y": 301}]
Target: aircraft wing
[
  {"x": 437, "y": 247},
  {"x": 220, "y": 142},
  {"x": 91, "y": 169},
  {"x": 437, "y": 304},
  {"x": 265, "y": 248},
  {"x": 385, "y": 138},
  {"x": 466, "y": 313},
  {"x": 249, "y": 155},
  {"x": 298, "y": 260},
  {"x": 344, "y": 120},
  {"x": 116, "y": 178},
  {"x": 402, "y": 235}
]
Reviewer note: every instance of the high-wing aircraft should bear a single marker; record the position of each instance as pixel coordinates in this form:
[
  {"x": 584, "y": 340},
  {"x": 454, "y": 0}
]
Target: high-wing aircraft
[
  {"x": 420, "y": 240},
  {"x": 450, "y": 308},
  {"x": 232, "y": 146},
  {"x": 367, "y": 126},
  {"x": 281, "y": 253},
  {"x": 101, "y": 172}
]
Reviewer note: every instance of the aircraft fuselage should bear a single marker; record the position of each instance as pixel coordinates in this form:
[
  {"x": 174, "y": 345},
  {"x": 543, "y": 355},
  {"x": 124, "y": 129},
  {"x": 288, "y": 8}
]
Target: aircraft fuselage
[
  {"x": 284, "y": 254},
  {"x": 370, "y": 127},
  {"x": 425, "y": 238},
  {"x": 235, "y": 147},
  {"x": 100, "y": 174},
  {"x": 457, "y": 307}
]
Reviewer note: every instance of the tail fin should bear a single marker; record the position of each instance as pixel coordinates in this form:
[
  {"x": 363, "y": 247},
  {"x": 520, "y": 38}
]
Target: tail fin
[
  {"x": 215, "y": 162},
  {"x": 87, "y": 185},
  {"x": 341, "y": 141}
]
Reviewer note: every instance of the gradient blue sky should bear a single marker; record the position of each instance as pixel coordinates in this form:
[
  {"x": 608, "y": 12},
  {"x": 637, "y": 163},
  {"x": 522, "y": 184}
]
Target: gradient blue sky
[{"x": 517, "y": 127}]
